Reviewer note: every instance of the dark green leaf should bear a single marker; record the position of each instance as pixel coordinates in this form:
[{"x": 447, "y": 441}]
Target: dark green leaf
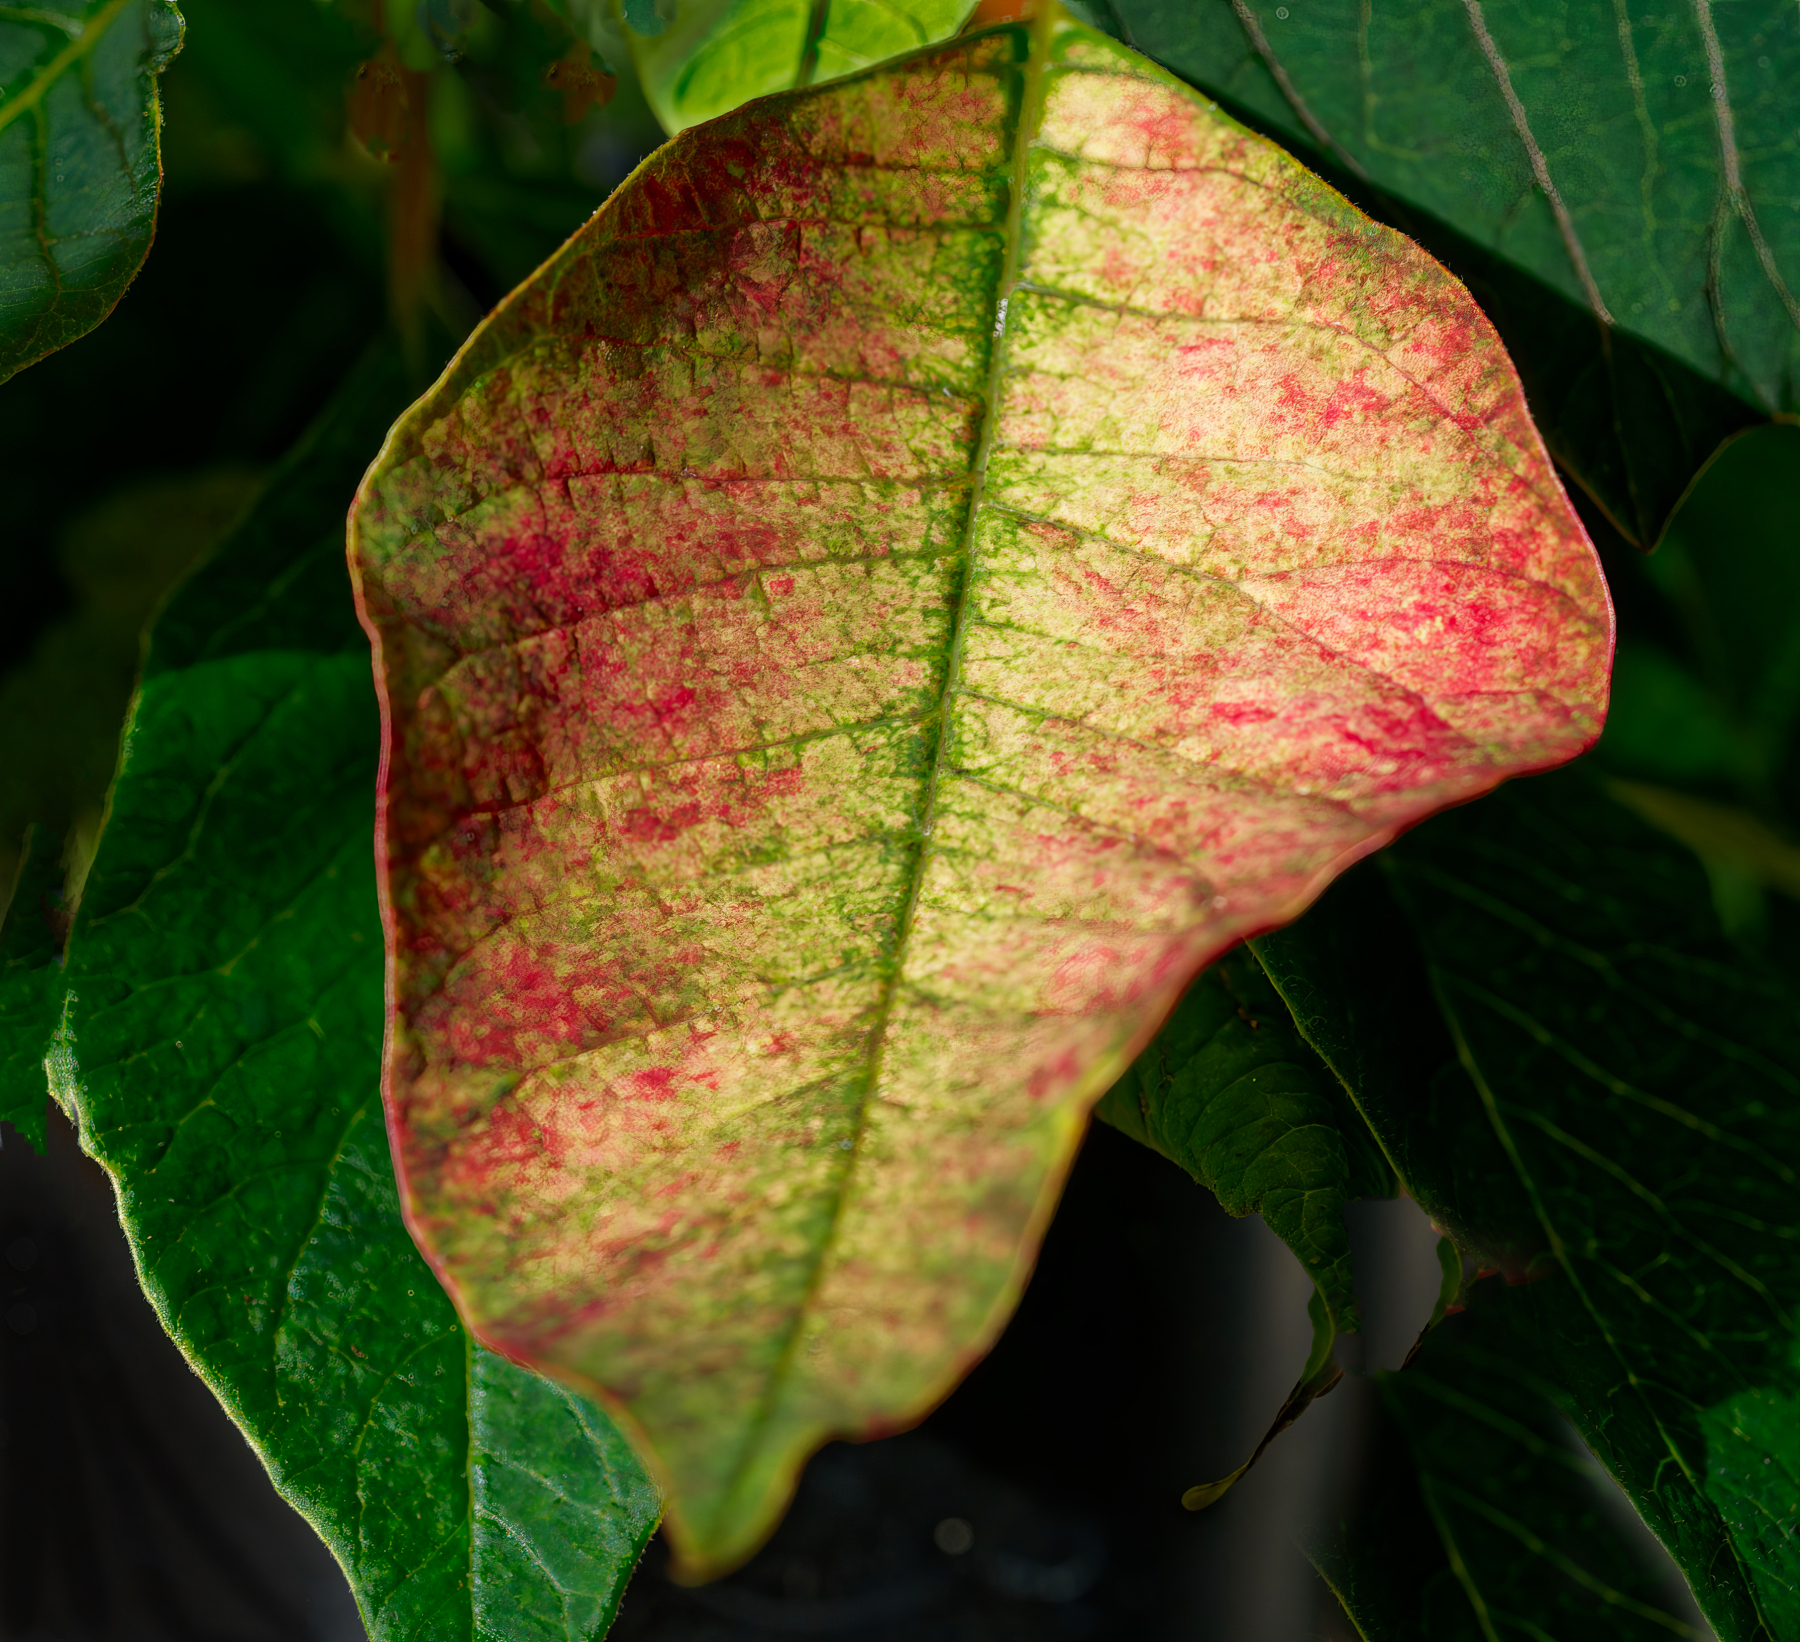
[
  {"x": 222, "y": 1058},
  {"x": 1482, "y": 1517},
  {"x": 79, "y": 165},
  {"x": 1621, "y": 1120},
  {"x": 1407, "y": 111},
  {"x": 1639, "y": 164},
  {"x": 1230, "y": 1091},
  {"x": 30, "y": 982}
]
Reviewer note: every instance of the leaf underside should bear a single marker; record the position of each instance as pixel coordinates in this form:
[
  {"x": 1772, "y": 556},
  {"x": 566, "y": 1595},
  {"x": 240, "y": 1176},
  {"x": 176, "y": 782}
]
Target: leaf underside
[
  {"x": 80, "y": 164},
  {"x": 934, "y": 562},
  {"x": 221, "y": 1055}
]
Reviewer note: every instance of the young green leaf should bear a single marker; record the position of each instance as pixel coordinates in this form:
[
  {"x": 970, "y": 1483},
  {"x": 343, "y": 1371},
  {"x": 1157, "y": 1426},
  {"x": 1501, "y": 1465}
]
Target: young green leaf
[
  {"x": 716, "y": 54},
  {"x": 221, "y": 1055},
  {"x": 1641, "y": 164},
  {"x": 1616, "y": 1116},
  {"x": 79, "y": 163},
  {"x": 934, "y": 562}
]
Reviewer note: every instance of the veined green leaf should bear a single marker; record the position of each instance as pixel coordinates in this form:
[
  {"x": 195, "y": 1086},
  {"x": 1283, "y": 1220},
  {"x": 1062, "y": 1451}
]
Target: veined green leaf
[
  {"x": 1639, "y": 161},
  {"x": 221, "y": 1056},
  {"x": 716, "y": 54},
  {"x": 30, "y": 983},
  {"x": 1586, "y": 146},
  {"x": 934, "y": 562},
  {"x": 79, "y": 163},
  {"x": 1231, "y": 1091},
  {"x": 1481, "y": 1517},
  {"x": 1617, "y": 1117}
]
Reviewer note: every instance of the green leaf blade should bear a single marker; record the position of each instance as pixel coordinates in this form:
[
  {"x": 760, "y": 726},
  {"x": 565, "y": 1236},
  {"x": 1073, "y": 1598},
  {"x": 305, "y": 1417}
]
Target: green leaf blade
[
  {"x": 1618, "y": 1099},
  {"x": 80, "y": 164},
  {"x": 223, "y": 1061}
]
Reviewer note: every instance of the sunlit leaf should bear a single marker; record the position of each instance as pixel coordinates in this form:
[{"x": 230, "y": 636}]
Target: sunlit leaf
[
  {"x": 934, "y": 562},
  {"x": 713, "y": 55},
  {"x": 221, "y": 1055},
  {"x": 79, "y": 166}
]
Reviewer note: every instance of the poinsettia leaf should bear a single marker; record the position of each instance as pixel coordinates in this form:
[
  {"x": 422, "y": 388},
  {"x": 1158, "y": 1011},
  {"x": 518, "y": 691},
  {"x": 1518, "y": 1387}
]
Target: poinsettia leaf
[
  {"x": 80, "y": 167},
  {"x": 1479, "y": 1514},
  {"x": 30, "y": 983},
  {"x": 1628, "y": 419},
  {"x": 934, "y": 562},
  {"x": 1640, "y": 165},
  {"x": 1622, "y": 1106},
  {"x": 1231, "y": 1091},
  {"x": 714, "y": 55},
  {"x": 221, "y": 1054}
]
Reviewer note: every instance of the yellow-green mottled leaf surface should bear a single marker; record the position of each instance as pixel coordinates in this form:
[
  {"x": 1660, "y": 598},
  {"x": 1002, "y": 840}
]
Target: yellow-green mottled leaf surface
[
  {"x": 934, "y": 562},
  {"x": 715, "y": 54}
]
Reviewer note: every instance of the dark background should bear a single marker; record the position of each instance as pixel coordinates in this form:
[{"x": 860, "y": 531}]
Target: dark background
[{"x": 1154, "y": 1344}]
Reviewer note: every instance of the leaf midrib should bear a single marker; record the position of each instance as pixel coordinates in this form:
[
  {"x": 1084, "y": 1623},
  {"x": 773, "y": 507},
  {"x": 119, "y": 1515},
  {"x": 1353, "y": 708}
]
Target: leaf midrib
[
  {"x": 1030, "y": 118},
  {"x": 59, "y": 65}
]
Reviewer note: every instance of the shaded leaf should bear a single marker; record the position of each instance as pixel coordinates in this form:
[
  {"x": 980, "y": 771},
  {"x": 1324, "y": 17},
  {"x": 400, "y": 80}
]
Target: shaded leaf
[
  {"x": 79, "y": 165},
  {"x": 714, "y": 55},
  {"x": 62, "y": 710},
  {"x": 1730, "y": 567},
  {"x": 221, "y": 1056},
  {"x": 30, "y": 982},
  {"x": 1481, "y": 1517},
  {"x": 1641, "y": 164},
  {"x": 1230, "y": 1091},
  {"x": 1627, "y": 409},
  {"x": 1635, "y": 1078},
  {"x": 908, "y": 584}
]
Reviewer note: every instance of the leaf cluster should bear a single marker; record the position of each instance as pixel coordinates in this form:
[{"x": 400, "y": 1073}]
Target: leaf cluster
[{"x": 1559, "y": 1019}]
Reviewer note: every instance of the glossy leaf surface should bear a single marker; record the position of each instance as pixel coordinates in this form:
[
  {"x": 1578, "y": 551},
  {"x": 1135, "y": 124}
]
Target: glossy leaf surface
[
  {"x": 222, "y": 1059},
  {"x": 934, "y": 562},
  {"x": 79, "y": 163},
  {"x": 1635, "y": 160},
  {"x": 1616, "y": 1118},
  {"x": 716, "y": 54}
]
